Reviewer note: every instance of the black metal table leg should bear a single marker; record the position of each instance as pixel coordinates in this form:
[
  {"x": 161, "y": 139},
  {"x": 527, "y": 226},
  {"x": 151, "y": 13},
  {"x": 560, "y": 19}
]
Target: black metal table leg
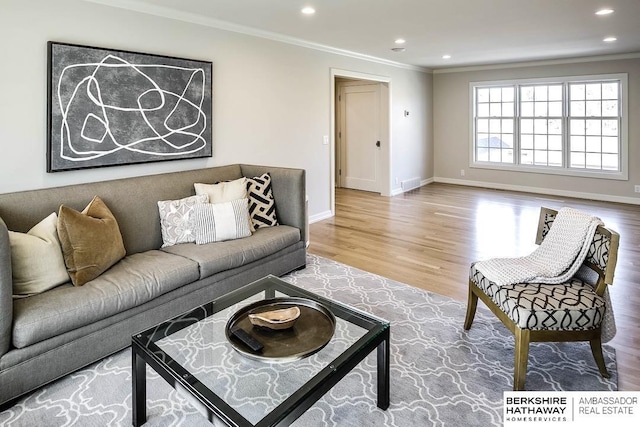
[
  {"x": 383, "y": 372},
  {"x": 139, "y": 389}
]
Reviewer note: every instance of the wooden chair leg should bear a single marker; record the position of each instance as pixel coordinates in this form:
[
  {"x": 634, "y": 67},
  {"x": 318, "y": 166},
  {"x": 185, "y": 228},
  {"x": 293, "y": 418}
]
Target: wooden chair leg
[
  {"x": 596, "y": 349},
  {"x": 472, "y": 305},
  {"x": 521, "y": 358}
]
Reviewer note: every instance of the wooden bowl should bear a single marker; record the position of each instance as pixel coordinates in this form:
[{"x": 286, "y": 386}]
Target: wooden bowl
[{"x": 275, "y": 319}]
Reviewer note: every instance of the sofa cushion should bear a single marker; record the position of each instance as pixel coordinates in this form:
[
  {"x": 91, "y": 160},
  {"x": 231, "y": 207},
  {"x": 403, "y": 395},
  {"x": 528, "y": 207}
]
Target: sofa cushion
[
  {"x": 134, "y": 280},
  {"x": 176, "y": 221},
  {"x": 36, "y": 259},
  {"x": 217, "y": 222},
  {"x": 220, "y": 256},
  {"x": 91, "y": 240}
]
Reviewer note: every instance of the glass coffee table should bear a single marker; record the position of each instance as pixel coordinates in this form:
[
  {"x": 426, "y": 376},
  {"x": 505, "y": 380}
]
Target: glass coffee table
[{"x": 225, "y": 381}]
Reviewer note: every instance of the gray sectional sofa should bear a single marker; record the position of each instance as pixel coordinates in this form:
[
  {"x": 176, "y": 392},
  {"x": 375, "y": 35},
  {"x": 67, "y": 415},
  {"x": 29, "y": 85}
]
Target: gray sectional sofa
[{"x": 49, "y": 335}]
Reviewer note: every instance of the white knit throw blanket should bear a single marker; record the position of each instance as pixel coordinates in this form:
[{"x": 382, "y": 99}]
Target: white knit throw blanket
[{"x": 556, "y": 260}]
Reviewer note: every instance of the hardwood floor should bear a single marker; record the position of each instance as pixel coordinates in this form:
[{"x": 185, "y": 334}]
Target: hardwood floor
[{"x": 428, "y": 237}]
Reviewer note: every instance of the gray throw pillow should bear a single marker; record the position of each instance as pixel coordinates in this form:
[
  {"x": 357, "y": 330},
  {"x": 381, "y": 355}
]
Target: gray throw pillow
[{"x": 175, "y": 219}]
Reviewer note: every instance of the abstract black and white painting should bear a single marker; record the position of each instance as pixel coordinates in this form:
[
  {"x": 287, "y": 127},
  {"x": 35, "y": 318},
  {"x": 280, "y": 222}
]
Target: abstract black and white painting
[{"x": 112, "y": 107}]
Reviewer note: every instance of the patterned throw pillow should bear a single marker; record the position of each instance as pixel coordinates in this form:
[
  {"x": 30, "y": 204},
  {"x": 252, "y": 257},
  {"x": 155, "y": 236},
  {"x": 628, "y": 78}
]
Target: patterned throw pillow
[
  {"x": 175, "y": 219},
  {"x": 216, "y": 222},
  {"x": 262, "y": 206}
]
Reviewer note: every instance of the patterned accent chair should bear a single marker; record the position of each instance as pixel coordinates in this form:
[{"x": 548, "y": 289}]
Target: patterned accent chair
[{"x": 534, "y": 312}]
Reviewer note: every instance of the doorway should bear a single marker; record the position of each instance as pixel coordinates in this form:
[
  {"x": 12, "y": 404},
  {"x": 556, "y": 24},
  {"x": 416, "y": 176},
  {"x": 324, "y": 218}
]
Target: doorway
[{"x": 360, "y": 125}]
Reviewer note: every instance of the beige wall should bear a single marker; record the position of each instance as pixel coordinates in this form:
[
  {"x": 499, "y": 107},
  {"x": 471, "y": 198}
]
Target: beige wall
[
  {"x": 271, "y": 105},
  {"x": 452, "y": 123}
]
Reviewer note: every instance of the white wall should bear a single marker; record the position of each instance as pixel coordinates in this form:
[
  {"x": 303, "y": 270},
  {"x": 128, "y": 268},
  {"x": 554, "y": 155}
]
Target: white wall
[
  {"x": 452, "y": 123},
  {"x": 271, "y": 99}
]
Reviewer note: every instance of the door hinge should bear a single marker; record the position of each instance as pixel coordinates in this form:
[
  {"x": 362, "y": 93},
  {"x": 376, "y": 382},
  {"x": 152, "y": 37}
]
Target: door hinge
[
  {"x": 339, "y": 98},
  {"x": 340, "y": 172},
  {"x": 339, "y": 134}
]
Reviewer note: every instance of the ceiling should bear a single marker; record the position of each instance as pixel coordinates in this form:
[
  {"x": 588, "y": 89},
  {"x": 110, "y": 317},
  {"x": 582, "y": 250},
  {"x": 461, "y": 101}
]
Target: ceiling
[{"x": 473, "y": 32}]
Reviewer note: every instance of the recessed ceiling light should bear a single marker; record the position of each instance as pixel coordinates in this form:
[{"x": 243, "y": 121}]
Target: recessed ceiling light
[
  {"x": 446, "y": 56},
  {"x": 308, "y": 10},
  {"x": 604, "y": 12},
  {"x": 400, "y": 41},
  {"x": 609, "y": 39}
]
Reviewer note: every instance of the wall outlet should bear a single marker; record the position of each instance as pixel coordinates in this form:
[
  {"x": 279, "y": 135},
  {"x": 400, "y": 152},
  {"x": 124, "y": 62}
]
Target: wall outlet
[
  {"x": 397, "y": 180},
  {"x": 637, "y": 189},
  {"x": 461, "y": 172},
  {"x": 325, "y": 140}
]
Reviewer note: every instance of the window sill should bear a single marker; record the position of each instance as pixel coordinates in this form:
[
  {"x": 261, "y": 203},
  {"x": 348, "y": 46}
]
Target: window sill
[{"x": 615, "y": 175}]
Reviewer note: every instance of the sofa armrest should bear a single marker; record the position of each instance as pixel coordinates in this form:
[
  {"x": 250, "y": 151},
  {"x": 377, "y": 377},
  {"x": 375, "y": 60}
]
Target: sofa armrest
[
  {"x": 289, "y": 191},
  {"x": 6, "y": 290}
]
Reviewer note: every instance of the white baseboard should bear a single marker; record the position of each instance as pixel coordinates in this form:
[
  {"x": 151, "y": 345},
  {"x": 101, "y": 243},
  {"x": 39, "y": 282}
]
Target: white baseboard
[
  {"x": 423, "y": 182},
  {"x": 539, "y": 190},
  {"x": 320, "y": 216}
]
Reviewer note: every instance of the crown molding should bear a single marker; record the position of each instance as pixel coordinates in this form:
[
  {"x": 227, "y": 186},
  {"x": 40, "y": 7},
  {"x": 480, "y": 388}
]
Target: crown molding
[
  {"x": 193, "y": 18},
  {"x": 539, "y": 63}
]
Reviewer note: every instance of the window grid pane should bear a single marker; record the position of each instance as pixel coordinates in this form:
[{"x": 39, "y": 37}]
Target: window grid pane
[
  {"x": 594, "y": 122},
  {"x": 541, "y": 125},
  {"x": 494, "y": 130}
]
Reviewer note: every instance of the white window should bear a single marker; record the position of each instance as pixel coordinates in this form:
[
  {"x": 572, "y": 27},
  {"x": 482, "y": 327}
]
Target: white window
[
  {"x": 495, "y": 124},
  {"x": 570, "y": 125}
]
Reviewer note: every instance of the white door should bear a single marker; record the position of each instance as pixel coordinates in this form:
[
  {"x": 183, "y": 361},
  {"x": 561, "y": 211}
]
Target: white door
[{"x": 359, "y": 137}]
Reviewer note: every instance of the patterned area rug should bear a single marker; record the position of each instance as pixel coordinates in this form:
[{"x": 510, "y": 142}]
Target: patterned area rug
[{"x": 441, "y": 375}]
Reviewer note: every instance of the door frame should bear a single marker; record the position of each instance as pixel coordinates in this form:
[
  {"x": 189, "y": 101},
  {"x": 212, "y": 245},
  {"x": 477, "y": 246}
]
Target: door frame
[{"x": 385, "y": 129}]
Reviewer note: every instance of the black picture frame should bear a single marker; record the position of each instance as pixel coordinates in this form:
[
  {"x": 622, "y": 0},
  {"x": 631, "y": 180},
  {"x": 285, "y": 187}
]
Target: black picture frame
[{"x": 108, "y": 107}]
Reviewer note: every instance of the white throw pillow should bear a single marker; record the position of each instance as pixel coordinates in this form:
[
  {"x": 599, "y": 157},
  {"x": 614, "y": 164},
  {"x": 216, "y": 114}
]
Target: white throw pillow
[
  {"x": 175, "y": 219},
  {"x": 223, "y": 191},
  {"x": 216, "y": 222},
  {"x": 36, "y": 259}
]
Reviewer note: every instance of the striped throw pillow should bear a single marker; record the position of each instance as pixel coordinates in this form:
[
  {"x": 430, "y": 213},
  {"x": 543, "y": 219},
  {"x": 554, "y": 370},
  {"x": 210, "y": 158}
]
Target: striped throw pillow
[{"x": 217, "y": 222}]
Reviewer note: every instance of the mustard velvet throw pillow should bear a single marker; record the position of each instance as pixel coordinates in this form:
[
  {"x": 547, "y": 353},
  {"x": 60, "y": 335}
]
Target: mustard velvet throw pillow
[
  {"x": 37, "y": 264},
  {"x": 91, "y": 240}
]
